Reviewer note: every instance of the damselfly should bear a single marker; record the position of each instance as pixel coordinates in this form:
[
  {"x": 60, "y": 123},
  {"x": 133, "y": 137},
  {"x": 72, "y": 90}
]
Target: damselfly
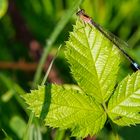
[{"x": 116, "y": 41}]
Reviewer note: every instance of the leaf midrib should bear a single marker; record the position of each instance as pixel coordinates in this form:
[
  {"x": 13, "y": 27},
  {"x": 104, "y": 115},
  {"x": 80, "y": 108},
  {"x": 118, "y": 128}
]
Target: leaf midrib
[{"x": 92, "y": 58}]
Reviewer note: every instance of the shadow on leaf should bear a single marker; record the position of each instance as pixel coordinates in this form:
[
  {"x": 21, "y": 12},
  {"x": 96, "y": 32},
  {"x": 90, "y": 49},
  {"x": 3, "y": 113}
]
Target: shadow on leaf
[{"x": 46, "y": 103}]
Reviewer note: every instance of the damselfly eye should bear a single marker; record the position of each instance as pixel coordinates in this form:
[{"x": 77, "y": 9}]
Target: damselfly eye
[{"x": 81, "y": 11}]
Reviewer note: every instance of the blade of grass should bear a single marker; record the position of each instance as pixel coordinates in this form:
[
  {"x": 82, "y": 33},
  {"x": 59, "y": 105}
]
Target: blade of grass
[
  {"x": 59, "y": 135},
  {"x": 6, "y": 135},
  {"x": 50, "y": 66},
  {"x": 32, "y": 114},
  {"x": 61, "y": 24},
  {"x": 17, "y": 90},
  {"x": 26, "y": 135}
]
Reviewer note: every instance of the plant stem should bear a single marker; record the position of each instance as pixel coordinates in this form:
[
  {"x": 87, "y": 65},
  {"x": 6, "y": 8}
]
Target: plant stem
[
  {"x": 111, "y": 123},
  {"x": 114, "y": 131},
  {"x": 61, "y": 24}
]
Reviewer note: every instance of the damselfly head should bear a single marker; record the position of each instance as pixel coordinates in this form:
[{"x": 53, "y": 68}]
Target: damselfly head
[{"x": 80, "y": 12}]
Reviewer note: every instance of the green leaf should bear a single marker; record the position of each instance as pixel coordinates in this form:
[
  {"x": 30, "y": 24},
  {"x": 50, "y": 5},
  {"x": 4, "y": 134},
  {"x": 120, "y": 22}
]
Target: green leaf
[
  {"x": 124, "y": 105},
  {"x": 94, "y": 61},
  {"x": 67, "y": 107},
  {"x": 3, "y": 7}
]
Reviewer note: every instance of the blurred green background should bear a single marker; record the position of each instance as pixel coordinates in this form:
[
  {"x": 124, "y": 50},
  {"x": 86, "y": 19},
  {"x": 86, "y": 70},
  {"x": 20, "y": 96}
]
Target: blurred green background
[{"x": 25, "y": 27}]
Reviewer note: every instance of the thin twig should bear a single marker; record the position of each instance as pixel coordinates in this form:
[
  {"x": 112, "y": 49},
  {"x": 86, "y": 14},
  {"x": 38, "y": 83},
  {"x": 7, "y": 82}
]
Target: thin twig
[
  {"x": 21, "y": 65},
  {"x": 50, "y": 66}
]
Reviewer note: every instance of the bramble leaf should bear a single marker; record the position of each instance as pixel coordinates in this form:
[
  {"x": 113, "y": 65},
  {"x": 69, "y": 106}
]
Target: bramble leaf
[
  {"x": 67, "y": 107},
  {"x": 93, "y": 61},
  {"x": 124, "y": 105}
]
